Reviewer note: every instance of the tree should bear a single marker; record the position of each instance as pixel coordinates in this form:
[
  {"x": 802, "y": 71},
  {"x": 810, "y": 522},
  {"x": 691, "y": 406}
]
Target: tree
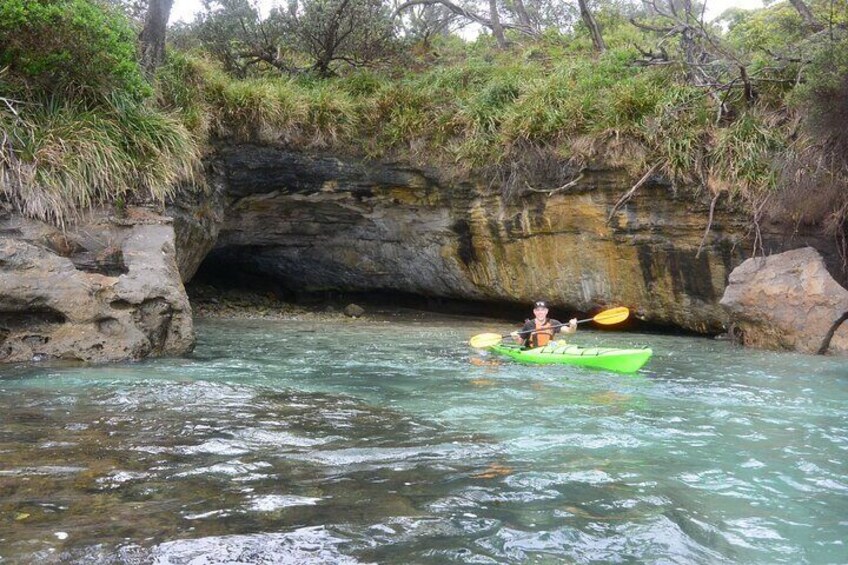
[
  {"x": 497, "y": 29},
  {"x": 807, "y": 15},
  {"x": 594, "y": 30},
  {"x": 552, "y": 14},
  {"x": 425, "y": 22},
  {"x": 352, "y": 32},
  {"x": 521, "y": 12},
  {"x": 235, "y": 33},
  {"x": 152, "y": 37},
  {"x": 493, "y": 22},
  {"x": 74, "y": 48},
  {"x": 698, "y": 45}
]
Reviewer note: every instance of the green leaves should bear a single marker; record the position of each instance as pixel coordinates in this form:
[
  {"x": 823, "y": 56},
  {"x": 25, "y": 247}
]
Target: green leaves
[{"x": 74, "y": 48}]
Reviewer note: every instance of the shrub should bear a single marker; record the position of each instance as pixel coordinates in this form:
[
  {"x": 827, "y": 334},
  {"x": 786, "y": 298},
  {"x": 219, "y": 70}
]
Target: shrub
[
  {"x": 71, "y": 48},
  {"x": 825, "y": 95}
]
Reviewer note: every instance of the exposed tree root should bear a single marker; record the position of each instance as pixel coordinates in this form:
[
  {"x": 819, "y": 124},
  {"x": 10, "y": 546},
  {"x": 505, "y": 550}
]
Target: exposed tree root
[{"x": 553, "y": 191}]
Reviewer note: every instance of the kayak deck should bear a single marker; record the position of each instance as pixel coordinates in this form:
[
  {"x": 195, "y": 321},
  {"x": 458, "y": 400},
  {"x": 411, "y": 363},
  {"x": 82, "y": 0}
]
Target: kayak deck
[{"x": 609, "y": 358}]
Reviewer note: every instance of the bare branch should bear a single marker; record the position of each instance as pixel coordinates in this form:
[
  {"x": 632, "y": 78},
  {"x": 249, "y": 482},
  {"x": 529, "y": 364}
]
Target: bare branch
[
  {"x": 460, "y": 11},
  {"x": 553, "y": 191},
  {"x": 640, "y": 25},
  {"x": 709, "y": 224},
  {"x": 629, "y": 194}
]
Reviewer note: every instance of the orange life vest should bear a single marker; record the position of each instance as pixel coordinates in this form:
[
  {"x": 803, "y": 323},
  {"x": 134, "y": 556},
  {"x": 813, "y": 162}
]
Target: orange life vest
[{"x": 543, "y": 337}]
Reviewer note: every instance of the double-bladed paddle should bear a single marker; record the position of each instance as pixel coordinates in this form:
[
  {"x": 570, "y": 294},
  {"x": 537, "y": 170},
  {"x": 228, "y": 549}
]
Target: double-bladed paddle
[{"x": 605, "y": 318}]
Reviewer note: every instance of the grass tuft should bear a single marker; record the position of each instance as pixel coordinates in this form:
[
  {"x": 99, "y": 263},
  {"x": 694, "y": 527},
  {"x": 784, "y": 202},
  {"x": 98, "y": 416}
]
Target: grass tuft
[{"x": 59, "y": 158}]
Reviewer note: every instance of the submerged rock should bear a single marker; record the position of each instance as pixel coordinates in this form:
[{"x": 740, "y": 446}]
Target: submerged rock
[
  {"x": 788, "y": 301},
  {"x": 106, "y": 290}
]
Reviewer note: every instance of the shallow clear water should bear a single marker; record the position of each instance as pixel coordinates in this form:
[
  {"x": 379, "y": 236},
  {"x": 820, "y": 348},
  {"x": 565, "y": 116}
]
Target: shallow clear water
[{"x": 301, "y": 442}]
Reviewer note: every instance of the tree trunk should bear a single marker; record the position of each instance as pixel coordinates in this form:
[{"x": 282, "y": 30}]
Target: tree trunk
[
  {"x": 589, "y": 20},
  {"x": 807, "y": 15},
  {"x": 497, "y": 29},
  {"x": 152, "y": 37},
  {"x": 523, "y": 17}
]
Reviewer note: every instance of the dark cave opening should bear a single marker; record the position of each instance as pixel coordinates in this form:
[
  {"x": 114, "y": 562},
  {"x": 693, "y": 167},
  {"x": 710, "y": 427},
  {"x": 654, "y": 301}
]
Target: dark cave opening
[{"x": 223, "y": 273}]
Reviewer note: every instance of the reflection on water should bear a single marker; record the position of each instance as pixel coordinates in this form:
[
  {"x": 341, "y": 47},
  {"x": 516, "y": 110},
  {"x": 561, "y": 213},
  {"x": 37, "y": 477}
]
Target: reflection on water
[{"x": 393, "y": 443}]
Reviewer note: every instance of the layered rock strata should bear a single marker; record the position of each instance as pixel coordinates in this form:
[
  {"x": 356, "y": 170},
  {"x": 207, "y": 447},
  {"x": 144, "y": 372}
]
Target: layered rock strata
[{"x": 317, "y": 222}]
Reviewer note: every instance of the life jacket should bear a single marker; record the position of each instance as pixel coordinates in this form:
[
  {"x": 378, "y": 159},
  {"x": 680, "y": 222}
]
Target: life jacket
[{"x": 541, "y": 338}]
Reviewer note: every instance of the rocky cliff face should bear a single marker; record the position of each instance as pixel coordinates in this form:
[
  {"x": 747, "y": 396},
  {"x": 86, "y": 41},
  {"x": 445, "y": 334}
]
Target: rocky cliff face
[
  {"x": 112, "y": 289},
  {"x": 197, "y": 214},
  {"x": 106, "y": 290},
  {"x": 316, "y": 222}
]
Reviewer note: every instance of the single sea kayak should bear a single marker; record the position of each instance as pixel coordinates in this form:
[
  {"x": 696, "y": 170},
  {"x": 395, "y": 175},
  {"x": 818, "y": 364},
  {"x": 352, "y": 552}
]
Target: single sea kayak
[{"x": 608, "y": 358}]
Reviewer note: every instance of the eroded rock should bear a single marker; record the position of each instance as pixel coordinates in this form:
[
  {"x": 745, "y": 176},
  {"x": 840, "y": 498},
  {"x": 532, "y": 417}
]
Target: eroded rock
[
  {"x": 198, "y": 213},
  {"x": 316, "y": 223},
  {"x": 106, "y": 290},
  {"x": 788, "y": 301}
]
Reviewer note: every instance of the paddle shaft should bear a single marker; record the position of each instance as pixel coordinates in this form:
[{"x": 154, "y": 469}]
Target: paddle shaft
[{"x": 550, "y": 327}]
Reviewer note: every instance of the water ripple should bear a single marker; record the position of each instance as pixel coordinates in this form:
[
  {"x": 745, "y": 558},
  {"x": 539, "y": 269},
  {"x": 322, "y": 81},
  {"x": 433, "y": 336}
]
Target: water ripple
[{"x": 388, "y": 443}]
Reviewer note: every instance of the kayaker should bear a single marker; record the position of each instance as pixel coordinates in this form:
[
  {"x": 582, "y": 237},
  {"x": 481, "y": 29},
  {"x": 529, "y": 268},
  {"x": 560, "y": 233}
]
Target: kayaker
[{"x": 540, "y": 330}]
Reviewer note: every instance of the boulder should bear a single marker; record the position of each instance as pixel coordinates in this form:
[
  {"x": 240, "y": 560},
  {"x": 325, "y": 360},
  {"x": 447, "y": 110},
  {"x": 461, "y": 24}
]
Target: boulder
[
  {"x": 788, "y": 301},
  {"x": 106, "y": 290},
  {"x": 353, "y": 311}
]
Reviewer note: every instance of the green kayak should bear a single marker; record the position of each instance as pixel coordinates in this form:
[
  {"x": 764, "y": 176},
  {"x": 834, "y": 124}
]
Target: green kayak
[{"x": 609, "y": 358}]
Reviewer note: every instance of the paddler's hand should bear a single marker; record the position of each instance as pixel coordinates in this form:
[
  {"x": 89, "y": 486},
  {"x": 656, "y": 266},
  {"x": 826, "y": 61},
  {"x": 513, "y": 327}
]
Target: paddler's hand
[
  {"x": 514, "y": 335},
  {"x": 572, "y": 325}
]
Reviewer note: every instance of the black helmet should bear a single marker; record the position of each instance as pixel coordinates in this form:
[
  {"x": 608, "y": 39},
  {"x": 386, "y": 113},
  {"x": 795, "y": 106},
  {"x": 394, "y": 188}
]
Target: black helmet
[{"x": 540, "y": 304}]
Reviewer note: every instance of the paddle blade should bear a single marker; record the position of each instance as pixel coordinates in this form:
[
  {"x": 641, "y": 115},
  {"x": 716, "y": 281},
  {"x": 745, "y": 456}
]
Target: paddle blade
[
  {"x": 612, "y": 316},
  {"x": 482, "y": 341}
]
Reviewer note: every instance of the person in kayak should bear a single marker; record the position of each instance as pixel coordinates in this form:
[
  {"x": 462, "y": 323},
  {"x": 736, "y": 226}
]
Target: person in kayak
[{"x": 540, "y": 330}]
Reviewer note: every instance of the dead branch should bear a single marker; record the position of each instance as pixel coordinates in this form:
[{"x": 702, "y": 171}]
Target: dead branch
[
  {"x": 827, "y": 338},
  {"x": 10, "y": 104},
  {"x": 629, "y": 194},
  {"x": 709, "y": 224},
  {"x": 553, "y": 191},
  {"x": 788, "y": 58},
  {"x": 651, "y": 58},
  {"x": 647, "y": 27}
]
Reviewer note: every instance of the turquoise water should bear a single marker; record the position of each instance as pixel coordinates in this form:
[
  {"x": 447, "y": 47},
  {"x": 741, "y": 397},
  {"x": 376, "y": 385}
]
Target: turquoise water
[{"x": 373, "y": 442}]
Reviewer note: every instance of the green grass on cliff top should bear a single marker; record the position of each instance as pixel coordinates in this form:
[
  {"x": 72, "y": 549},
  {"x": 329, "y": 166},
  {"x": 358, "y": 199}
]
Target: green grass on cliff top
[
  {"x": 536, "y": 112},
  {"x": 471, "y": 109}
]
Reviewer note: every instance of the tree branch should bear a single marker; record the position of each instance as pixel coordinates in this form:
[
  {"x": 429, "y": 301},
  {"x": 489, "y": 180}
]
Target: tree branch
[
  {"x": 709, "y": 224},
  {"x": 553, "y": 191},
  {"x": 460, "y": 11},
  {"x": 629, "y": 194}
]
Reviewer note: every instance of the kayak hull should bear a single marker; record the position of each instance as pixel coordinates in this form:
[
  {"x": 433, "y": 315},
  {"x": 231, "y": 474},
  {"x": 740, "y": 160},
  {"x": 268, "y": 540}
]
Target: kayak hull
[{"x": 607, "y": 358}]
